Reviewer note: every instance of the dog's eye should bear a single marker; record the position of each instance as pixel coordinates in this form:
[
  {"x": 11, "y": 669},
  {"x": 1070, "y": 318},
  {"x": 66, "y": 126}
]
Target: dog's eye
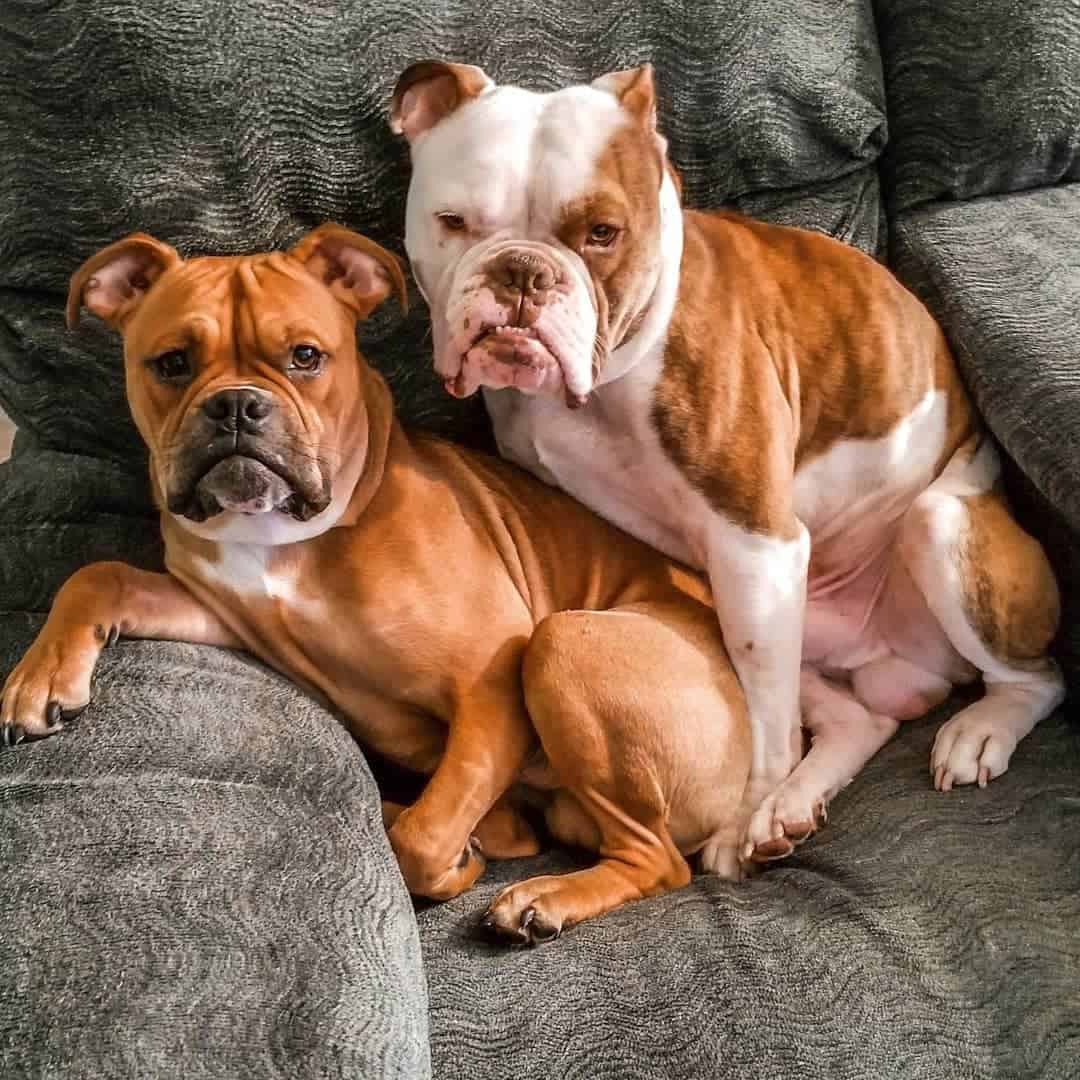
[
  {"x": 453, "y": 222},
  {"x": 603, "y": 234},
  {"x": 172, "y": 366},
  {"x": 306, "y": 358}
]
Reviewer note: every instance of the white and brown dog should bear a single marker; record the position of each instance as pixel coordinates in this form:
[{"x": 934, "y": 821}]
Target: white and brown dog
[{"x": 764, "y": 403}]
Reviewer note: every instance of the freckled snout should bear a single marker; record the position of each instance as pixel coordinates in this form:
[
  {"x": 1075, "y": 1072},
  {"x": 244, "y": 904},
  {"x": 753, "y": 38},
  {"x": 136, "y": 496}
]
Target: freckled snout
[
  {"x": 518, "y": 316},
  {"x": 523, "y": 280},
  {"x": 508, "y": 345},
  {"x": 516, "y": 312}
]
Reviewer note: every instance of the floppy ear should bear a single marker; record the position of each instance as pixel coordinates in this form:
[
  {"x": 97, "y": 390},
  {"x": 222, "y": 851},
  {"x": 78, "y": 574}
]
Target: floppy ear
[
  {"x": 114, "y": 282},
  {"x": 355, "y": 269},
  {"x": 635, "y": 90},
  {"x": 429, "y": 92}
]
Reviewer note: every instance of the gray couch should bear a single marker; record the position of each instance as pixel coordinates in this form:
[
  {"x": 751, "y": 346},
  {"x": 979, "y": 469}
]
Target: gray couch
[{"x": 194, "y": 881}]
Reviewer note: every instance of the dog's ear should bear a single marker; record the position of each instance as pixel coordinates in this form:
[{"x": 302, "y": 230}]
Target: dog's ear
[
  {"x": 635, "y": 90},
  {"x": 429, "y": 92},
  {"x": 355, "y": 269},
  {"x": 115, "y": 281}
]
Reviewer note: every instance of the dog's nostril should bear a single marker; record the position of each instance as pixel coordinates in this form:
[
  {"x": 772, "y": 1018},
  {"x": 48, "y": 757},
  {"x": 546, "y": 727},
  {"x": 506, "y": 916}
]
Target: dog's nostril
[
  {"x": 543, "y": 279},
  {"x": 257, "y": 407},
  {"x": 516, "y": 277},
  {"x": 217, "y": 407}
]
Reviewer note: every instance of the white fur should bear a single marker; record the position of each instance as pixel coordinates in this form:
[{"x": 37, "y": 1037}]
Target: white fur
[
  {"x": 508, "y": 163},
  {"x": 845, "y": 736},
  {"x": 243, "y": 569},
  {"x": 759, "y": 590},
  {"x": 855, "y": 499},
  {"x": 862, "y": 485}
]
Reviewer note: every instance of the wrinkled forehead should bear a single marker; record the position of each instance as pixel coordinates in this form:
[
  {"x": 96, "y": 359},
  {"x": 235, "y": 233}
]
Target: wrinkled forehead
[
  {"x": 513, "y": 156},
  {"x": 255, "y": 301}
]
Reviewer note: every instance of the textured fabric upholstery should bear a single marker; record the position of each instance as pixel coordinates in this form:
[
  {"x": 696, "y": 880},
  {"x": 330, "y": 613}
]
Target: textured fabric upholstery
[
  {"x": 195, "y": 881},
  {"x": 983, "y": 97},
  {"x": 232, "y": 128},
  {"x": 919, "y": 936}
]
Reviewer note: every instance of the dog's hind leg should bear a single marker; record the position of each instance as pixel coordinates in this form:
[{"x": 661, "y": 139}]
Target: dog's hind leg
[
  {"x": 641, "y": 718},
  {"x": 990, "y": 586}
]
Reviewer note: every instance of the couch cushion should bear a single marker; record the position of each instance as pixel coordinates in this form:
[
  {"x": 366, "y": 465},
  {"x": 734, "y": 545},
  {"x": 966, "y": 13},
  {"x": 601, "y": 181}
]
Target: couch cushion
[
  {"x": 983, "y": 97},
  {"x": 849, "y": 209},
  {"x": 233, "y": 129},
  {"x": 1002, "y": 275},
  {"x": 61, "y": 511},
  {"x": 919, "y": 935},
  {"x": 195, "y": 881}
]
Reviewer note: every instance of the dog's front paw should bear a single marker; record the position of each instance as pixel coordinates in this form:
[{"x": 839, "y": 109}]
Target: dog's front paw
[
  {"x": 424, "y": 873},
  {"x": 784, "y": 820},
  {"x": 971, "y": 747},
  {"x": 528, "y": 913},
  {"x": 48, "y": 688},
  {"x": 720, "y": 856}
]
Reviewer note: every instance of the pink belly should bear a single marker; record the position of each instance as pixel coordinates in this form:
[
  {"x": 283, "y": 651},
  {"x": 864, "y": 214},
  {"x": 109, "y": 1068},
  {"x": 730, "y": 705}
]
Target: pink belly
[
  {"x": 871, "y": 611},
  {"x": 841, "y": 630}
]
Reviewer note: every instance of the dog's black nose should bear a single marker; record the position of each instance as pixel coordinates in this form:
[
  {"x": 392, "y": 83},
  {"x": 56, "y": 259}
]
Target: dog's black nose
[{"x": 239, "y": 410}]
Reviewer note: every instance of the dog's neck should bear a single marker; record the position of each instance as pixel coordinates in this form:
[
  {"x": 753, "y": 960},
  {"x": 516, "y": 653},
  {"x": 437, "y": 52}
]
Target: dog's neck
[{"x": 383, "y": 433}]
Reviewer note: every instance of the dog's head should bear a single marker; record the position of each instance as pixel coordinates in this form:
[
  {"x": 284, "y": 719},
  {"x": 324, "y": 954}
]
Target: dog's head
[
  {"x": 243, "y": 374},
  {"x": 535, "y": 223}
]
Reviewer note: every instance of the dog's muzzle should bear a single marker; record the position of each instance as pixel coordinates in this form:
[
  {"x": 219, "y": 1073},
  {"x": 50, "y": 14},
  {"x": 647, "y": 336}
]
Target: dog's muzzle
[{"x": 240, "y": 458}]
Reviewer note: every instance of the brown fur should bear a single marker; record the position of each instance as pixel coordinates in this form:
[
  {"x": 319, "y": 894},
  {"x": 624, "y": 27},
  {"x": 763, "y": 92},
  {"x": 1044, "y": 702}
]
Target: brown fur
[
  {"x": 623, "y": 193},
  {"x": 443, "y": 583},
  {"x": 1010, "y": 594},
  {"x": 783, "y": 342}
]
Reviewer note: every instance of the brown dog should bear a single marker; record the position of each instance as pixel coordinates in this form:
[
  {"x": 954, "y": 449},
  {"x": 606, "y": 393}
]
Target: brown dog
[{"x": 470, "y": 622}]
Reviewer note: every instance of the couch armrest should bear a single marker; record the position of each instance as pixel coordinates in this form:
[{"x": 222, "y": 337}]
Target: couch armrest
[{"x": 195, "y": 881}]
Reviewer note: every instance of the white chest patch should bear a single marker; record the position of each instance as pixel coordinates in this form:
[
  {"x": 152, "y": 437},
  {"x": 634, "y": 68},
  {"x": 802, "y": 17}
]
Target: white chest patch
[
  {"x": 244, "y": 569},
  {"x": 608, "y": 456}
]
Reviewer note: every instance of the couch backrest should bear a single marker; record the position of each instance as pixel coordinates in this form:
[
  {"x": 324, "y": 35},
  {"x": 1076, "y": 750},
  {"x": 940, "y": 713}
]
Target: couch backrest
[
  {"x": 983, "y": 96},
  {"x": 233, "y": 127}
]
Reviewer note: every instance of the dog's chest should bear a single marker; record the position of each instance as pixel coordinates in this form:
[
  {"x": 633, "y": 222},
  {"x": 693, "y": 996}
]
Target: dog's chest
[
  {"x": 325, "y": 621},
  {"x": 608, "y": 456},
  {"x": 268, "y": 599},
  {"x": 252, "y": 574}
]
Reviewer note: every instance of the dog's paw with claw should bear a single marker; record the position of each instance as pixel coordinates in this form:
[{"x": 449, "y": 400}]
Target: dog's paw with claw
[
  {"x": 970, "y": 748},
  {"x": 527, "y": 913},
  {"x": 784, "y": 820},
  {"x": 47, "y": 689}
]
